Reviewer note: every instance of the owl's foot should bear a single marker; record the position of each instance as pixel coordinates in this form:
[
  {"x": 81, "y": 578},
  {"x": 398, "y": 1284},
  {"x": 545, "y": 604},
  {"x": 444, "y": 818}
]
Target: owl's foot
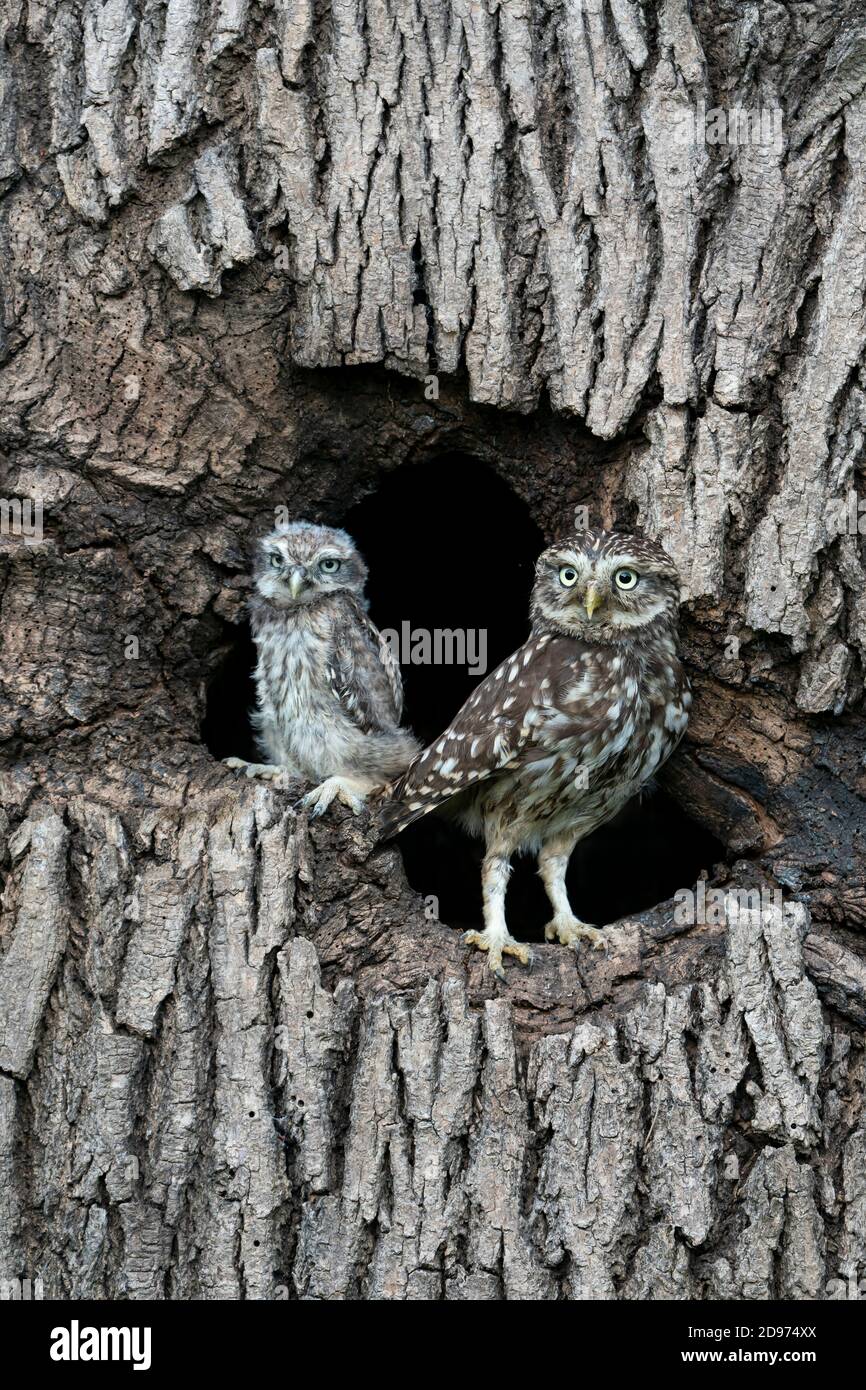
[
  {"x": 265, "y": 772},
  {"x": 345, "y": 789},
  {"x": 498, "y": 944},
  {"x": 569, "y": 930}
]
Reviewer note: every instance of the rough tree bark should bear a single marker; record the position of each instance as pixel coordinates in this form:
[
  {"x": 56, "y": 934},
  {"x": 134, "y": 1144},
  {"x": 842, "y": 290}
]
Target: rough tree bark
[{"x": 235, "y": 239}]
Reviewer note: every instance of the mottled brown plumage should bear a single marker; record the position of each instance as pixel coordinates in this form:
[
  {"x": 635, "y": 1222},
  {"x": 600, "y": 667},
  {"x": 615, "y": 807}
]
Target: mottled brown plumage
[{"x": 555, "y": 741}]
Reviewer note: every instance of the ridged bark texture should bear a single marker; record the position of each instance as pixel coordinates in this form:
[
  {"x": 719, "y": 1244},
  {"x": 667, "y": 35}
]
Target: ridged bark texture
[{"x": 236, "y": 1058}]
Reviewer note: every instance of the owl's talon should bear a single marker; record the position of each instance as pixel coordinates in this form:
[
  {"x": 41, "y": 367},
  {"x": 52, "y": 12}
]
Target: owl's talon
[
  {"x": 263, "y": 772},
  {"x": 570, "y": 930},
  {"x": 498, "y": 944},
  {"x": 344, "y": 789}
]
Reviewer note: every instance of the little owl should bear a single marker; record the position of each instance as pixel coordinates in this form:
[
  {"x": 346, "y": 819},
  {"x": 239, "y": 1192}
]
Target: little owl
[
  {"x": 555, "y": 741},
  {"x": 328, "y": 690}
]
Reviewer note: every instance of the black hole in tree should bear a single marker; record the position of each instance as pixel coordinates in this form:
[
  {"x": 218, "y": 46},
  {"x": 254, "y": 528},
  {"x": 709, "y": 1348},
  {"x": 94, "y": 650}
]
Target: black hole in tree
[
  {"x": 435, "y": 563},
  {"x": 641, "y": 858},
  {"x": 450, "y": 548},
  {"x": 467, "y": 565},
  {"x": 231, "y": 695}
]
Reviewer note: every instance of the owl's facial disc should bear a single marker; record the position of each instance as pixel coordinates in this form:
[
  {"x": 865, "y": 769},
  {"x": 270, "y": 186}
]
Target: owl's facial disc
[
  {"x": 604, "y": 585},
  {"x": 321, "y": 572},
  {"x": 284, "y": 573},
  {"x": 303, "y": 563},
  {"x": 584, "y": 594}
]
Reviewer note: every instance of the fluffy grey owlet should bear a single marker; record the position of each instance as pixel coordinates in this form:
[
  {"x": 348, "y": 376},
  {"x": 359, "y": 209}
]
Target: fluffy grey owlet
[
  {"x": 328, "y": 690},
  {"x": 555, "y": 741}
]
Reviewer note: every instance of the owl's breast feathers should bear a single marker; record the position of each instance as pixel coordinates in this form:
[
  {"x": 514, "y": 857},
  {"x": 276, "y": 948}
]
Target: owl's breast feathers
[
  {"x": 326, "y": 659},
  {"x": 561, "y": 727}
]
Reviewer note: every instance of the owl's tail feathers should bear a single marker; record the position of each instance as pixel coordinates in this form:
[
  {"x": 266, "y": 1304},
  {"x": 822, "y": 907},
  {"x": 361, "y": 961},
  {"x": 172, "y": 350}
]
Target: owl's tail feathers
[
  {"x": 394, "y": 814},
  {"x": 392, "y": 817}
]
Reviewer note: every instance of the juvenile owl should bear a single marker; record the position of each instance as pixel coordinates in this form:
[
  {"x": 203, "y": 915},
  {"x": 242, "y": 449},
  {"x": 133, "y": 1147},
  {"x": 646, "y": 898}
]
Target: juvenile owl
[
  {"x": 555, "y": 741},
  {"x": 328, "y": 690}
]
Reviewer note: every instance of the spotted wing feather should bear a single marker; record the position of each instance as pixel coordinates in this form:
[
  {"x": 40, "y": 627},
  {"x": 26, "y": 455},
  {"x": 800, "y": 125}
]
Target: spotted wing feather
[{"x": 496, "y": 730}]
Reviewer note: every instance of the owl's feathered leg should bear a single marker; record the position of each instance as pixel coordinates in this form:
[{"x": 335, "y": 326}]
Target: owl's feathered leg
[
  {"x": 564, "y": 926},
  {"x": 495, "y": 938}
]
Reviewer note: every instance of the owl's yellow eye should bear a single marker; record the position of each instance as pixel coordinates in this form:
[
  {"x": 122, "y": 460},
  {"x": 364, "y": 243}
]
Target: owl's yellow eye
[
  {"x": 625, "y": 579},
  {"x": 329, "y": 565},
  {"x": 276, "y": 559},
  {"x": 568, "y": 576}
]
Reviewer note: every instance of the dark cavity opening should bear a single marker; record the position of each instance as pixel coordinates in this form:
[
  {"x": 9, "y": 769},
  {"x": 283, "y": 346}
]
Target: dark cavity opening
[
  {"x": 639, "y": 859},
  {"x": 231, "y": 696},
  {"x": 451, "y": 548}
]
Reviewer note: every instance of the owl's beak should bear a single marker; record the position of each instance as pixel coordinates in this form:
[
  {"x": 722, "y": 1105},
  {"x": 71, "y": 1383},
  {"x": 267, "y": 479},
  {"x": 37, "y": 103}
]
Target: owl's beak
[
  {"x": 297, "y": 580},
  {"x": 592, "y": 599}
]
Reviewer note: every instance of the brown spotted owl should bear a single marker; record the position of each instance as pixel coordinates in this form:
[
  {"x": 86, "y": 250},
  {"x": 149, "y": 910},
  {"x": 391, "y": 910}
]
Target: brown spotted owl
[{"x": 558, "y": 738}]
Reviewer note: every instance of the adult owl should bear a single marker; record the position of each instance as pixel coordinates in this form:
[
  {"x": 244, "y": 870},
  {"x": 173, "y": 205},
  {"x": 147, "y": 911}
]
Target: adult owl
[
  {"x": 558, "y": 738},
  {"x": 328, "y": 690}
]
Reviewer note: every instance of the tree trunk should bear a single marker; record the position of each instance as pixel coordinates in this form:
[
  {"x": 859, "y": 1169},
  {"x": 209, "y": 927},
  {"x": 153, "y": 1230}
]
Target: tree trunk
[{"x": 270, "y": 257}]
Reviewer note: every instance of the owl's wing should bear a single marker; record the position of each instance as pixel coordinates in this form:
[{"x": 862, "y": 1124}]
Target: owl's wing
[
  {"x": 495, "y": 730},
  {"x": 364, "y": 675},
  {"x": 391, "y": 667}
]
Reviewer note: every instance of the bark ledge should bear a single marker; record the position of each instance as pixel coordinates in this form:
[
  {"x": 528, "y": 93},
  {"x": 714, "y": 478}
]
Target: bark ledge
[{"x": 240, "y": 1062}]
